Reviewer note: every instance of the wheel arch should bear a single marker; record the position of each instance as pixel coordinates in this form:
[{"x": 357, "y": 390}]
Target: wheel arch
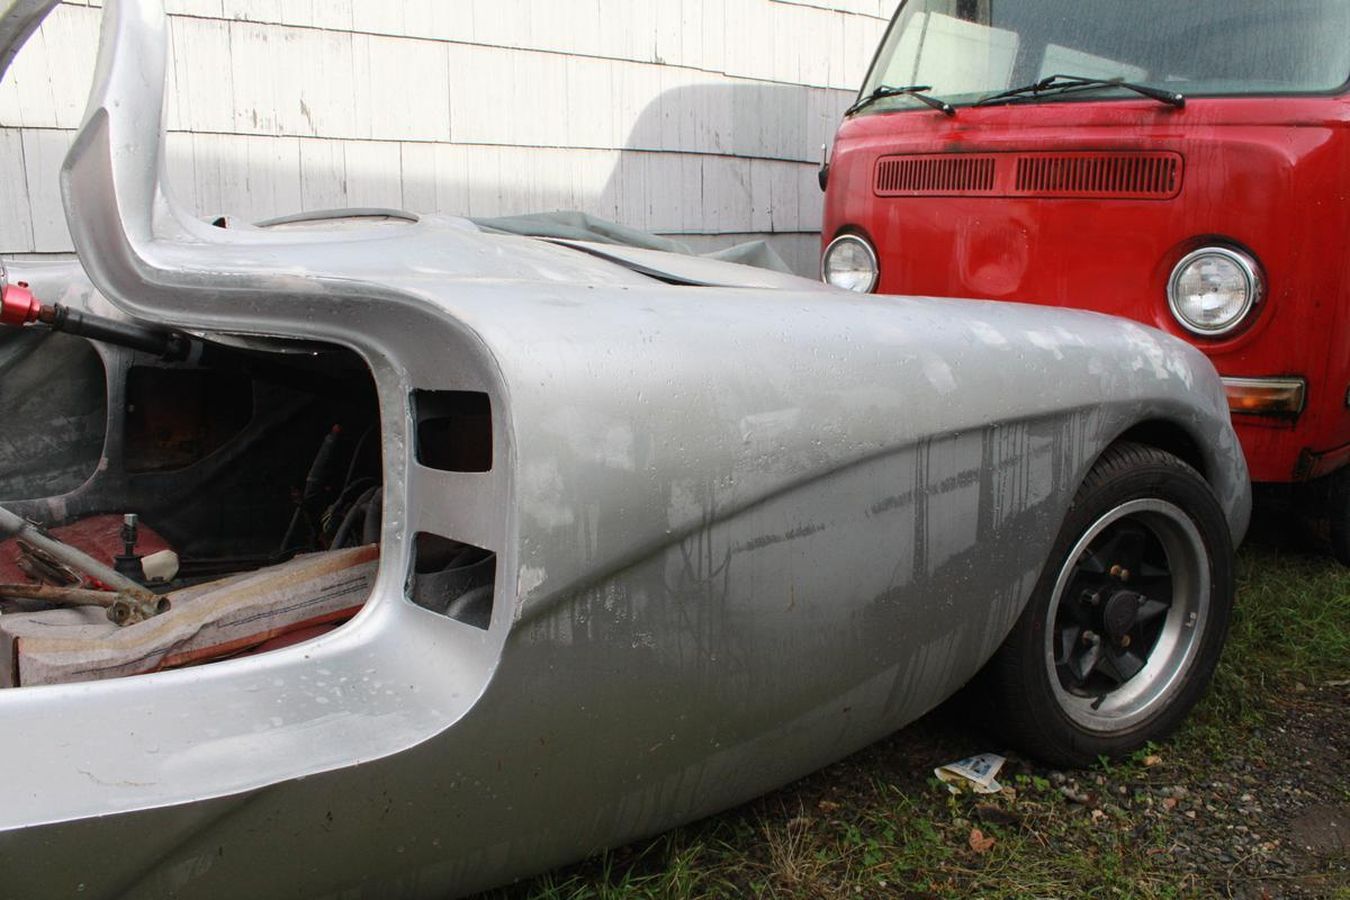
[
  {"x": 1169, "y": 437},
  {"x": 1208, "y": 446},
  {"x": 1005, "y": 680}
]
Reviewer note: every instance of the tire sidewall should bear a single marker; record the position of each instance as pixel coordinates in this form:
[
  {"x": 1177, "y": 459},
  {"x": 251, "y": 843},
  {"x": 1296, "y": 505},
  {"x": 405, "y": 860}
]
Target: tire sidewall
[
  {"x": 1339, "y": 509},
  {"x": 1159, "y": 477}
]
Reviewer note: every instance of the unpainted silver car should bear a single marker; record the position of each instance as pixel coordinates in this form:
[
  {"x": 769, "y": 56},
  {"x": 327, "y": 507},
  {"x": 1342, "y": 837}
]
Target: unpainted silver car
[{"x": 655, "y": 534}]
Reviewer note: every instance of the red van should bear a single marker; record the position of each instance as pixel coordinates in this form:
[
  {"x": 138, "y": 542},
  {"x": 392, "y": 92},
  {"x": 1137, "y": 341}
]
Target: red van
[{"x": 1183, "y": 164}]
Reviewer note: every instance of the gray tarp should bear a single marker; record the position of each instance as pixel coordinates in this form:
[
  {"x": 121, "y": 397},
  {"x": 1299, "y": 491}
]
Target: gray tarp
[
  {"x": 579, "y": 226},
  {"x": 52, "y": 412}
]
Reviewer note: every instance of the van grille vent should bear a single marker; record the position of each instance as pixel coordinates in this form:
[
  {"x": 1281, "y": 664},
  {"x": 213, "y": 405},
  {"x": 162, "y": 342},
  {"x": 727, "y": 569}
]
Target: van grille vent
[
  {"x": 1093, "y": 174},
  {"x": 935, "y": 175},
  {"x": 1139, "y": 175}
]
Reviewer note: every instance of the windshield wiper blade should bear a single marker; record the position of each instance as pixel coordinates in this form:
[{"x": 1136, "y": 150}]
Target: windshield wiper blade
[
  {"x": 1058, "y": 85},
  {"x": 910, "y": 90}
]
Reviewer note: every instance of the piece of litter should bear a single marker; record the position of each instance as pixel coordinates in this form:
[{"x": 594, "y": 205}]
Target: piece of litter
[
  {"x": 160, "y": 567},
  {"x": 975, "y": 772},
  {"x": 979, "y": 842}
]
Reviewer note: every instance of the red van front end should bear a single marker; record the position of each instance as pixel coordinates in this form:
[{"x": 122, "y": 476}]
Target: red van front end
[{"x": 1213, "y": 203}]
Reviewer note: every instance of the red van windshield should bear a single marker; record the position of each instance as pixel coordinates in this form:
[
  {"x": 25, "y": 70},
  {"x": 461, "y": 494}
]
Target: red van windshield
[{"x": 968, "y": 49}]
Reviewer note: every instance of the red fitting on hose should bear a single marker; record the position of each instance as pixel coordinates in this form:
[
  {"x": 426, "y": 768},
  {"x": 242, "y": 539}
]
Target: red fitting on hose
[{"x": 18, "y": 306}]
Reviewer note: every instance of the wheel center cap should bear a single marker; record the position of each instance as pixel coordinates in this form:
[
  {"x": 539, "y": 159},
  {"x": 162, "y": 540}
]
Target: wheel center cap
[{"x": 1120, "y": 612}]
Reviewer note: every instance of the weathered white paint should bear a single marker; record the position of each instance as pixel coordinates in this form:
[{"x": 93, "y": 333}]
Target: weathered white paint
[{"x": 701, "y": 118}]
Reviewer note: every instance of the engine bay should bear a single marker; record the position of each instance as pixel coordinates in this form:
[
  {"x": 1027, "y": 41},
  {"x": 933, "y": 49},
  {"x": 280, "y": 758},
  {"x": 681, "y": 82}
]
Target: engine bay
[{"x": 240, "y": 486}]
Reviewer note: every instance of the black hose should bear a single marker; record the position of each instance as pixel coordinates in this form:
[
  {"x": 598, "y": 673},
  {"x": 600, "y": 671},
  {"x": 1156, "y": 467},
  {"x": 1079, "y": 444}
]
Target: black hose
[
  {"x": 356, "y": 458},
  {"x": 357, "y": 511},
  {"x": 370, "y": 531},
  {"x": 310, "y": 495},
  {"x": 167, "y": 344}
]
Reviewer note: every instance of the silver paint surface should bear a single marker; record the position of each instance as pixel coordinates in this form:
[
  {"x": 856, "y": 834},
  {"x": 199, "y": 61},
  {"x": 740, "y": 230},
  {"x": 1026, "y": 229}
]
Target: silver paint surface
[{"x": 741, "y": 532}]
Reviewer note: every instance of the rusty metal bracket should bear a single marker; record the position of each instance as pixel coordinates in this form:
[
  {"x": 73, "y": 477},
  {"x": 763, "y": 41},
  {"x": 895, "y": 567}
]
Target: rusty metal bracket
[{"x": 128, "y": 601}]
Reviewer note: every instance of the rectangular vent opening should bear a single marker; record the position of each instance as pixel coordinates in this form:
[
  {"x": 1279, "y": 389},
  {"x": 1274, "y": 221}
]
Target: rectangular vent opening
[
  {"x": 1099, "y": 174},
  {"x": 454, "y": 430},
  {"x": 918, "y": 175},
  {"x": 454, "y": 579}
]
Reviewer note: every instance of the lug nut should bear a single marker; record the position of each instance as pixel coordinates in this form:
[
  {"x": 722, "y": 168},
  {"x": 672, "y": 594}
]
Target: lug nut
[{"x": 1120, "y": 572}]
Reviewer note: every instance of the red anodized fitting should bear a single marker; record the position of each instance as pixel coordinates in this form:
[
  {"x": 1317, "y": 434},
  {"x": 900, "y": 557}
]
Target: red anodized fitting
[{"x": 18, "y": 306}]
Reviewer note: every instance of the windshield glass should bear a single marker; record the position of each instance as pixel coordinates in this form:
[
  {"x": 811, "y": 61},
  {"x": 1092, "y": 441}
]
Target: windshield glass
[{"x": 968, "y": 49}]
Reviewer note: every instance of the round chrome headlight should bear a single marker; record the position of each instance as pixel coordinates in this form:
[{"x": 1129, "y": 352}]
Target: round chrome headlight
[
  {"x": 1212, "y": 290},
  {"x": 850, "y": 263}
]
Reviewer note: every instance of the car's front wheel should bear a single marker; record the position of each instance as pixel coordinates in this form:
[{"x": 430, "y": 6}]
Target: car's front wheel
[{"x": 1125, "y": 626}]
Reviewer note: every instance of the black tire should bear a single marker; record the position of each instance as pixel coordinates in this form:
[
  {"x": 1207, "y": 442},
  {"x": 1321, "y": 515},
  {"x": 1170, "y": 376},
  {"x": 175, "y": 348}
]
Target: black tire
[
  {"x": 1105, "y": 659},
  {"x": 1339, "y": 510},
  {"x": 1322, "y": 507}
]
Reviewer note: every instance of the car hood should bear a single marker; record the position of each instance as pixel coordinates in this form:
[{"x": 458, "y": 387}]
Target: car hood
[
  {"x": 455, "y": 247},
  {"x": 678, "y": 268},
  {"x": 18, "y": 20}
]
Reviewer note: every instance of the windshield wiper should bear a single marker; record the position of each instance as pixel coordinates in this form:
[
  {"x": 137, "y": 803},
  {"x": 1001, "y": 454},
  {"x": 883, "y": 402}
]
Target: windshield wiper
[
  {"x": 912, "y": 90},
  {"x": 1059, "y": 85}
]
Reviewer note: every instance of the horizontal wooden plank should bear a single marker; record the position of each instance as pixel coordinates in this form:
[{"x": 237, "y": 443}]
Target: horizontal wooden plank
[
  {"x": 686, "y": 116},
  {"x": 776, "y": 40},
  {"x": 256, "y": 177},
  {"x": 877, "y": 9}
]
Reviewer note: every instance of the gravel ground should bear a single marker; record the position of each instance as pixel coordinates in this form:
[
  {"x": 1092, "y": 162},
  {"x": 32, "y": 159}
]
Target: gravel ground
[
  {"x": 1271, "y": 825},
  {"x": 1270, "y": 822},
  {"x": 1278, "y": 824}
]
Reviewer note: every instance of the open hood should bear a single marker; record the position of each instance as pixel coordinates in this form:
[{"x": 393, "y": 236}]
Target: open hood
[{"x": 18, "y": 20}]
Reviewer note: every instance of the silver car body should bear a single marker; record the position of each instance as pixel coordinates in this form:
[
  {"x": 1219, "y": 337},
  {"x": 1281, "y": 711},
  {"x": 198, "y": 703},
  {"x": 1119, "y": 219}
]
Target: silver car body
[{"x": 745, "y": 525}]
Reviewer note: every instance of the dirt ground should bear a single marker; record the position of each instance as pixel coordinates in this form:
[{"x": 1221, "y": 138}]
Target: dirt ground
[{"x": 1270, "y": 824}]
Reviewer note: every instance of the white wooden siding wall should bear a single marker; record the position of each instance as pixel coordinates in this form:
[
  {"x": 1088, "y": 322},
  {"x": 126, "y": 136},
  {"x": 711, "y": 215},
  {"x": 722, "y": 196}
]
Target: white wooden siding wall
[{"x": 698, "y": 118}]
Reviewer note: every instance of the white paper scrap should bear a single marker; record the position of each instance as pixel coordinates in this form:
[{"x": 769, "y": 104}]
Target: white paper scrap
[{"x": 975, "y": 772}]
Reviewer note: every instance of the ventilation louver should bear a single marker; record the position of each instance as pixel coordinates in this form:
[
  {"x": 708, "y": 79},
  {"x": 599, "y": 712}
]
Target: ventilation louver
[{"x": 1094, "y": 174}]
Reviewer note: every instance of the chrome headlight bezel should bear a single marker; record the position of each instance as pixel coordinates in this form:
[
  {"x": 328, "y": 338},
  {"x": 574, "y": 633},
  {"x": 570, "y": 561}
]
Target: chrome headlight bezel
[
  {"x": 1248, "y": 269},
  {"x": 869, "y": 254}
]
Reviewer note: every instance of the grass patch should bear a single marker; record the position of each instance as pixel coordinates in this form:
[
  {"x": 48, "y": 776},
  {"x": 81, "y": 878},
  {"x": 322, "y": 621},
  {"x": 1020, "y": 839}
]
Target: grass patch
[
  {"x": 1292, "y": 624},
  {"x": 1205, "y": 814},
  {"x": 1290, "y": 632}
]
